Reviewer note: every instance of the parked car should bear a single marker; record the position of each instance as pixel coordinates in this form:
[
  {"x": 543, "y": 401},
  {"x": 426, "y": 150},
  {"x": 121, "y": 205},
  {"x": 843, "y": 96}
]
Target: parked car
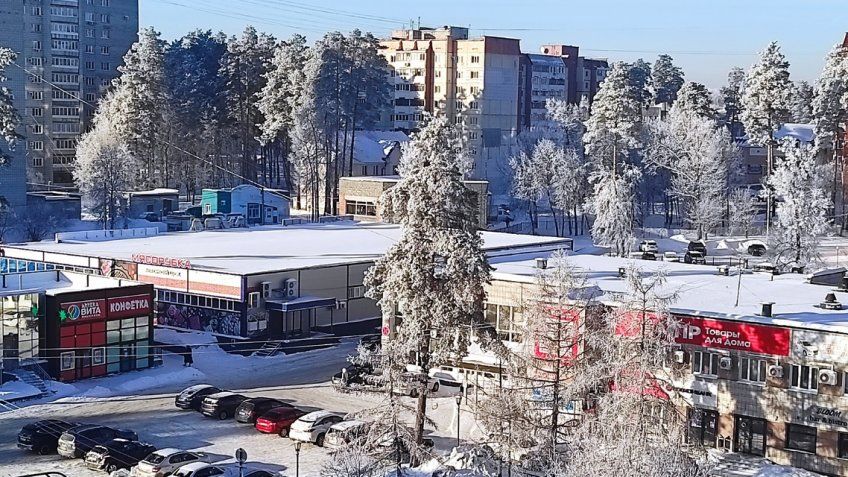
[
  {"x": 250, "y": 409},
  {"x": 43, "y": 436},
  {"x": 695, "y": 257},
  {"x": 117, "y": 454},
  {"x": 78, "y": 440},
  {"x": 408, "y": 383},
  {"x": 278, "y": 420},
  {"x": 313, "y": 427},
  {"x": 354, "y": 374},
  {"x": 697, "y": 246},
  {"x": 648, "y": 246},
  {"x": 192, "y": 397},
  {"x": 165, "y": 462},
  {"x": 649, "y": 256},
  {"x": 343, "y": 433},
  {"x": 221, "y": 405},
  {"x": 200, "y": 469},
  {"x": 671, "y": 256},
  {"x": 755, "y": 248}
]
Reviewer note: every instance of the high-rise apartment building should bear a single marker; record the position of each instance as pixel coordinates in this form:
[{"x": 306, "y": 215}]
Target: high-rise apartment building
[
  {"x": 471, "y": 80},
  {"x": 71, "y": 50}
]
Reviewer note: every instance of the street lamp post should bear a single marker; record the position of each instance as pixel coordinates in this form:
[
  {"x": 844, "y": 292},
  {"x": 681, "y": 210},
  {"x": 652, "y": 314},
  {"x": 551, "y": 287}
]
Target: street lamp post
[
  {"x": 241, "y": 458},
  {"x": 458, "y": 409},
  {"x": 297, "y": 458}
]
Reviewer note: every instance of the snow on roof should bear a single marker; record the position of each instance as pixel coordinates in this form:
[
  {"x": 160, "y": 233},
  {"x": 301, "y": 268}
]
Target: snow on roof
[
  {"x": 269, "y": 248},
  {"x": 345, "y": 425},
  {"x": 801, "y": 132},
  {"x": 702, "y": 291},
  {"x": 550, "y": 60},
  {"x": 373, "y": 147},
  {"x": 159, "y": 191},
  {"x": 315, "y": 415},
  {"x": 55, "y": 281}
]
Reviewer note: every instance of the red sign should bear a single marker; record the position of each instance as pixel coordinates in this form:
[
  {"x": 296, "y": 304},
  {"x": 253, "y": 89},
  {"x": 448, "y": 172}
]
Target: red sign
[
  {"x": 126, "y": 306},
  {"x": 161, "y": 261},
  {"x": 77, "y": 311},
  {"x": 718, "y": 334}
]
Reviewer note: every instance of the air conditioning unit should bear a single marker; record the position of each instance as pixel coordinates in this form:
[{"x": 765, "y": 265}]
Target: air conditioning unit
[
  {"x": 291, "y": 288},
  {"x": 253, "y": 300},
  {"x": 775, "y": 371},
  {"x": 725, "y": 362},
  {"x": 341, "y": 305},
  {"x": 827, "y": 376},
  {"x": 679, "y": 356},
  {"x": 266, "y": 290}
]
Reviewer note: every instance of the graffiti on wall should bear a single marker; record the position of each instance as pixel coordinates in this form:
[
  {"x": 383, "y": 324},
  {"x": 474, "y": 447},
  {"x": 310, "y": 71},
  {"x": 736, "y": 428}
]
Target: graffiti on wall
[
  {"x": 201, "y": 319},
  {"x": 118, "y": 269}
]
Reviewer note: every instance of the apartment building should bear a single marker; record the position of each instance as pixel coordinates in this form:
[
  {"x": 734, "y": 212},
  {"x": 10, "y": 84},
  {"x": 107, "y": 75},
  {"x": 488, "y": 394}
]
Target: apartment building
[
  {"x": 556, "y": 72},
  {"x": 71, "y": 50},
  {"x": 474, "y": 81}
]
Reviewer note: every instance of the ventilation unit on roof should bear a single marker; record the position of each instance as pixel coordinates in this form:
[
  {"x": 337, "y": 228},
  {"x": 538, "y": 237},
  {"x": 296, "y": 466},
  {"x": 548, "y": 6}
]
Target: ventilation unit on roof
[
  {"x": 541, "y": 263},
  {"x": 767, "y": 310},
  {"x": 827, "y": 376},
  {"x": 622, "y": 272},
  {"x": 831, "y": 303}
]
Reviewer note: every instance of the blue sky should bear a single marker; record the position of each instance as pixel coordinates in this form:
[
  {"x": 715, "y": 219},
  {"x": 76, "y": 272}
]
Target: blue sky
[{"x": 706, "y": 37}]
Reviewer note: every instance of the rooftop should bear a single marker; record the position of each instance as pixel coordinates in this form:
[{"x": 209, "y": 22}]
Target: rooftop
[
  {"x": 266, "y": 249},
  {"x": 53, "y": 282},
  {"x": 702, "y": 291}
]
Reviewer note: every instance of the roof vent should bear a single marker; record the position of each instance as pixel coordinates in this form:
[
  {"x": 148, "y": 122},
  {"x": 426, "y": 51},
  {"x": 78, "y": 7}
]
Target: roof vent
[
  {"x": 767, "y": 309},
  {"x": 622, "y": 272},
  {"x": 830, "y": 302},
  {"x": 541, "y": 263}
]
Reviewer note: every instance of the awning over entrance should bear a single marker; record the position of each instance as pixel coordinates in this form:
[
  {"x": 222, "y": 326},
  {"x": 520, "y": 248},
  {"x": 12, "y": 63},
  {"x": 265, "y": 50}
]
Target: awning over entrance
[{"x": 300, "y": 303}]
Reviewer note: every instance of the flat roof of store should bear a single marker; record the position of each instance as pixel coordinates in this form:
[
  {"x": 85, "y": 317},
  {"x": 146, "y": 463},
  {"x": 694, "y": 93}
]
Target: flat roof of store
[
  {"x": 53, "y": 282},
  {"x": 272, "y": 248},
  {"x": 702, "y": 291}
]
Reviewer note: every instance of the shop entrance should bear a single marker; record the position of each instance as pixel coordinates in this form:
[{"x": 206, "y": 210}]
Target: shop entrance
[
  {"x": 750, "y": 436},
  {"x": 702, "y": 427},
  {"x": 83, "y": 365},
  {"x": 127, "y": 357}
]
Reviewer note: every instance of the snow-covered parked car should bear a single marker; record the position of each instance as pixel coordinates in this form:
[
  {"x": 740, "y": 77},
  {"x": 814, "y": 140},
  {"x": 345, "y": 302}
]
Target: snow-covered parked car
[
  {"x": 165, "y": 462},
  {"x": 313, "y": 427},
  {"x": 756, "y": 248},
  {"x": 343, "y": 433},
  {"x": 409, "y": 383},
  {"x": 671, "y": 256},
  {"x": 200, "y": 469},
  {"x": 648, "y": 246}
]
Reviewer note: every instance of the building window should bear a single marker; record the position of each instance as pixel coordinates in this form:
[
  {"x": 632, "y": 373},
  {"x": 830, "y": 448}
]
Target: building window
[
  {"x": 801, "y": 438},
  {"x": 752, "y": 370},
  {"x": 66, "y": 361},
  {"x": 89, "y": 65},
  {"x": 804, "y": 377},
  {"x": 36, "y": 11},
  {"x": 356, "y": 291},
  {"x": 353, "y": 207},
  {"x": 475, "y": 74},
  {"x": 842, "y": 446},
  {"x": 475, "y": 59},
  {"x": 89, "y": 48},
  {"x": 705, "y": 363},
  {"x": 104, "y": 50},
  {"x": 36, "y": 95},
  {"x": 36, "y": 45},
  {"x": 37, "y": 162},
  {"x": 36, "y": 146}
]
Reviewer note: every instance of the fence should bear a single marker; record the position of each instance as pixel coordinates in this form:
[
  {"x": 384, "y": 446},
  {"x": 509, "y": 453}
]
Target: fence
[{"x": 103, "y": 235}]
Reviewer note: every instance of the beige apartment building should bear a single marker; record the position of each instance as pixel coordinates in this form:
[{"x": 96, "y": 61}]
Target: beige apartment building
[{"x": 469, "y": 80}]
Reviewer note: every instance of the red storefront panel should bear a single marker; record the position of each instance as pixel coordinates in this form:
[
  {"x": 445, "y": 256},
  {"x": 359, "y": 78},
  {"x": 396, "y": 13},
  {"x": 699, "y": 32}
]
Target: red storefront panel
[
  {"x": 129, "y": 306},
  {"x": 79, "y": 311},
  {"x": 732, "y": 335}
]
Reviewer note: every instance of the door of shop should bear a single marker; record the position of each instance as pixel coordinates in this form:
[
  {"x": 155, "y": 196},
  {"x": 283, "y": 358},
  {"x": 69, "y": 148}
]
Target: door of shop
[
  {"x": 127, "y": 357},
  {"x": 750, "y": 436},
  {"x": 702, "y": 427},
  {"x": 83, "y": 365}
]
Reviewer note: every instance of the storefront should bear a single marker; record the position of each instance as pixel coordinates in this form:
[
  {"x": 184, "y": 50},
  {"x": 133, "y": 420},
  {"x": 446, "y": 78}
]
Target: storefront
[{"x": 99, "y": 332}]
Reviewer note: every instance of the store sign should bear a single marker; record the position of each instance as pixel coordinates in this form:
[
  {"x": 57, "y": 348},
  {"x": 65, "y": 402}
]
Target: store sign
[
  {"x": 127, "y": 306},
  {"x": 77, "y": 311},
  {"x": 161, "y": 261},
  {"x": 695, "y": 392},
  {"x": 827, "y": 416},
  {"x": 732, "y": 335}
]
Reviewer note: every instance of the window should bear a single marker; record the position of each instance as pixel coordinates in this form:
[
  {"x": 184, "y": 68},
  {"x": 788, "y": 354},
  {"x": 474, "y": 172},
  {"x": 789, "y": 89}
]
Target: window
[
  {"x": 64, "y": 61},
  {"x": 475, "y": 59},
  {"x": 105, "y": 66},
  {"x": 36, "y": 112},
  {"x": 89, "y": 32},
  {"x": 842, "y": 446},
  {"x": 360, "y": 208},
  {"x": 106, "y": 34},
  {"x": 89, "y": 48},
  {"x": 36, "y": 45},
  {"x": 35, "y": 95},
  {"x": 36, "y": 129},
  {"x": 70, "y": 45},
  {"x": 65, "y": 111},
  {"x": 70, "y": 12},
  {"x": 104, "y": 50},
  {"x": 801, "y": 438},
  {"x": 105, "y": 17},
  {"x": 705, "y": 363},
  {"x": 89, "y": 65},
  {"x": 356, "y": 291},
  {"x": 66, "y": 361},
  {"x": 37, "y": 162},
  {"x": 752, "y": 370},
  {"x": 66, "y": 144},
  {"x": 804, "y": 377},
  {"x": 98, "y": 356},
  {"x": 36, "y": 11},
  {"x": 89, "y": 81},
  {"x": 35, "y": 61},
  {"x": 36, "y": 146},
  {"x": 475, "y": 74},
  {"x": 36, "y": 27}
]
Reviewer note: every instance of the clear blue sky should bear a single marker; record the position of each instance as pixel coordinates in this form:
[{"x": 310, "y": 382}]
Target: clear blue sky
[{"x": 706, "y": 37}]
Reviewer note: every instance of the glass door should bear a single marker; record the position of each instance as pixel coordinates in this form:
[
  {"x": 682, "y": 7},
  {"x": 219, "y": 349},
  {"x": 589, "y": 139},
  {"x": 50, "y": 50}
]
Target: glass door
[
  {"x": 750, "y": 436},
  {"x": 703, "y": 425}
]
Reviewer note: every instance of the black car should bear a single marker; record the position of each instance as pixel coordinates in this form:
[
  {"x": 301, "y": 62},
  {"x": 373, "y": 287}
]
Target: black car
[
  {"x": 43, "y": 436},
  {"x": 78, "y": 440},
  {"x": 250, "y": 409},
  {"x": 695, "y": 257},
  {"x": 221, "y": 405},
  {"x": 697, "y": 246},
  {"x": 192, "y": 397},
  {"x": 355, "y": 374},
  {"x": 117, "y": 454}
]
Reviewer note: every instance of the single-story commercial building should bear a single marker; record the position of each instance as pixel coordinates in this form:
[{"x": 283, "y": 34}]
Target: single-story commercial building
[
  {"x": 74, "y": 326},
  {"x": 154, "y": 203},
  {"x": 247, "y": 200},
  {"x": 260, "y": 282}
]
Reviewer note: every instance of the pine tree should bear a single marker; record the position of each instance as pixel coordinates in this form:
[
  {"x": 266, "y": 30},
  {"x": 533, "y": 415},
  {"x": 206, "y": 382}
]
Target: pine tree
[
  {"x": 743, "y": 211},
  {"x": 434, "y": 275},
  {"x": 766, "y": 97},
  {"x": 612, "y": 129},
  {"x": 802, "y": 212},
  {"x": 9, "y": 118},
  {"x": 696, "y": 97},
  {"x": 732, "y": 98},
  {"x": 641, "y": 82},
  {"x": 829, "y": 113},
  {"x": 667, "y": 80},
  {"x": 802, "y": 102},
  {"x": 612, "y": 204}
]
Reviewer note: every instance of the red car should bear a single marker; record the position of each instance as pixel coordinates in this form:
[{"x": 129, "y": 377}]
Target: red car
[{"x": 278, "y": 420}]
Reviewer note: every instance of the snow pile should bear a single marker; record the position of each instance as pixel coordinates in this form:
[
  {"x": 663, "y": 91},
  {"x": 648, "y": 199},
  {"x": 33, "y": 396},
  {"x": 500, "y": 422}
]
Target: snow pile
[
  {"x": 774, "y": 470},
  {"x": 183, "y": 375},
  {"x": 13, "y": 390}
]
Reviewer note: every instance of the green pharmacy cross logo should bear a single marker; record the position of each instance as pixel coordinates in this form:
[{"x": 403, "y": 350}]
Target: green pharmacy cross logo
[{"x": 63, "y": 315}]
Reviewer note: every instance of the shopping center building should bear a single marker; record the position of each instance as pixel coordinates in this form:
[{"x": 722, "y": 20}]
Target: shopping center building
[{"x": 769, "y": 381}]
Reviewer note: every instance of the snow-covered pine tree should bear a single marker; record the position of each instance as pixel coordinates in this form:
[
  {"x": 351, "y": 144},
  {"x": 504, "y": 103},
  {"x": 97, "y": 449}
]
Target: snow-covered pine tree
[
  {"x": 731, "y": 96},
  {"x": 743, "y": 211},
  {"x": 434, "y": 275},
  {"x": 829, "y": 113},
  {"x": 104, "y": 170},
  {"x": 802, "y": 102},
  {"x": 612, "y": 129},
  {"x": 766, "y": 98},
  {"x": 802, "y": 211},
  {"x": 613, "y": 206},
  {"x": 9, "y": 118},
  {"x": 641, "y": 82},
  {"x": 667, "y": 80},
  {"x": 308, "y": 138},
  {"x": 696, "y": 97}
]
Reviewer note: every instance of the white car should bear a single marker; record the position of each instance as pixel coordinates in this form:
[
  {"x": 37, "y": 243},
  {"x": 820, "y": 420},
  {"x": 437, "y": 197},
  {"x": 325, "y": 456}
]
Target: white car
[
  {"x": 409, "y": 383},
  {"x": 649, "y": 246},
  {"x": 343, "y": 433},
  {"x": 313, "y": 427},
  {"x": 200, "y": 469},
  {"x": 165, "y": 462}
]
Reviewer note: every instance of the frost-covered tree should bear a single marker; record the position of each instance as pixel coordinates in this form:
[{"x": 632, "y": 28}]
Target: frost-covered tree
[
  {"x": 9, "y": 118},
  {"x": 667, "y": 79},
  {"x": 802, "y": 102},
  {"x": 697, "y": 154},
  {"x": 743, "y": 211},
  {"x": 434, "y": 275},
  {"x": 731, "y": 97},
  {"x": 829, "y": 113},
  {"x": 613, "y": 206},
  {"x": 308, "y": 139},
  {"x": 641, "y": 83},
  {"x": 105, "y": 169},
  {"x": 766, "y": 99},
  {"x": 802, "y": 210},
  {"x": 612, "y": 129},
  {"x": 696, "y": 97}
]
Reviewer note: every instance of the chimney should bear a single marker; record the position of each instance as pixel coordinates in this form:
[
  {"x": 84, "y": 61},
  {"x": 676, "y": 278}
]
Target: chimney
[{"x": 767, "y": 309}]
